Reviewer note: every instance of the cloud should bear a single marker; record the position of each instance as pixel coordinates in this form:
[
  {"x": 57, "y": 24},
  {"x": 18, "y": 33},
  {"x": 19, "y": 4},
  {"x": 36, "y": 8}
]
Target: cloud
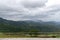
[
  {"x": 33, "y": 3},
  {"x": 29, "y": 10}
]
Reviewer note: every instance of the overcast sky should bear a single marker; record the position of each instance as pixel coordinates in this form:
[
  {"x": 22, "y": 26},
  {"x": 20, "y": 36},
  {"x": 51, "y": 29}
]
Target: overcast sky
[{"x": 17, "y": 10}]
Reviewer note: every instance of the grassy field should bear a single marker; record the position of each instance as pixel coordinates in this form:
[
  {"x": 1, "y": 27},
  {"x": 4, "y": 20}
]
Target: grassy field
[{"x": 23, "y": 35}]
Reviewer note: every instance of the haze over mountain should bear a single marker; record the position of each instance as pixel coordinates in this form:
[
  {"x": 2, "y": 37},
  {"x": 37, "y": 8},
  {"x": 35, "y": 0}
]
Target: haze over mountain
[{"x": 27, "y": 15}]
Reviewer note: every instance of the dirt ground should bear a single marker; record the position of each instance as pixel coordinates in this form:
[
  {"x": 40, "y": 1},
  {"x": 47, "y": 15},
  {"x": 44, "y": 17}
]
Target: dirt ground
[{"x": 29, "y": 38}]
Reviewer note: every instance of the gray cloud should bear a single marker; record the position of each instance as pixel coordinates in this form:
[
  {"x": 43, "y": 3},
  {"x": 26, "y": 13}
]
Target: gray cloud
[
  {"x": 33, "y": 3},
  {"x": 21, "y": 11}
]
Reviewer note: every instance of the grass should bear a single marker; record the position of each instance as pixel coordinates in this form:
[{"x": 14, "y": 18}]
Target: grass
[{"x": 29, "y": 36}]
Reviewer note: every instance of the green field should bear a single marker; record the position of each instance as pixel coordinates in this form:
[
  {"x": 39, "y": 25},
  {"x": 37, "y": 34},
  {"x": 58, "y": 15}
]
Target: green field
[{"x": 29, "y": 35}]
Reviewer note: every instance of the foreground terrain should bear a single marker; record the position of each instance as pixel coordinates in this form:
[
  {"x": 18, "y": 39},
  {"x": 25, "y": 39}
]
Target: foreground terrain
[
  {"x": 30, "y": 35},
  {"x": 29, "y": 38}
]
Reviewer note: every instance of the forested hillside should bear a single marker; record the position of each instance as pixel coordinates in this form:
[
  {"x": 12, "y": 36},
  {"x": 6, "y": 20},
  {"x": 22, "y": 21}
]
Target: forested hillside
[{"x": 27, "y": 26}]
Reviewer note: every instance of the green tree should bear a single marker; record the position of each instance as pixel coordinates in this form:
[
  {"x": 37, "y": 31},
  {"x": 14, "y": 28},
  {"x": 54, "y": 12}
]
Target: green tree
[{"x": 33, "y": 33}]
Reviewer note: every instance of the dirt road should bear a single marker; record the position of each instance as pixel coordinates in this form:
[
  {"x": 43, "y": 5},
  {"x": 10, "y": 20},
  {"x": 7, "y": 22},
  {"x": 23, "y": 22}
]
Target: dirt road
[{"x": 29, "y": 38}]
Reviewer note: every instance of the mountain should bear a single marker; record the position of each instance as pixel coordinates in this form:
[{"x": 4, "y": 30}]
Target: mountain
[{"x": 26, "y": 26}]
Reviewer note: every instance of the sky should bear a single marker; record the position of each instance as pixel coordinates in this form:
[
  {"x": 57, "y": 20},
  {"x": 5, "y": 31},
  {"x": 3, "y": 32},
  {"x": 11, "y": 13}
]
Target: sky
[{"x": 18, "y": 10}]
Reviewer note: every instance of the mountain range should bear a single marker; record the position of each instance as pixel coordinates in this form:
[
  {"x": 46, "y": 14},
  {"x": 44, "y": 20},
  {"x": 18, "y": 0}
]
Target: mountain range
[{"x": 27, "y": 26}]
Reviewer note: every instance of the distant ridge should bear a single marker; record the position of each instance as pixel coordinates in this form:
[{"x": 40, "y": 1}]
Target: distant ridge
[{"x": 26, "y": 26}]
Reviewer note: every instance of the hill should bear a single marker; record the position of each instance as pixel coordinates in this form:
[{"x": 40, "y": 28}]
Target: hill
[{"x": 26, "y": 26}]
